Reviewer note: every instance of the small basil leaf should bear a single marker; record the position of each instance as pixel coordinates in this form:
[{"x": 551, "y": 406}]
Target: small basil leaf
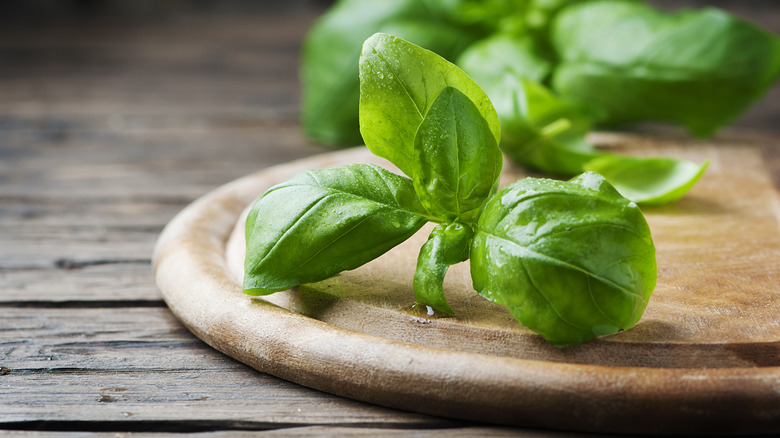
[
  {"x": 570, "y": 260},
  {"x": 626, "y": 61},
  {"x": 456, "y": 158},
  {"x": 487, "y": 60},
  {"x": 323, "y": 222},
  {"x": 331, "y": 91},
  {"x": 398, "y": 83},
  {"x": 447, "y": 245},
  {"x": 540, "y": 131},
  {"x": 648, "y": 181}
]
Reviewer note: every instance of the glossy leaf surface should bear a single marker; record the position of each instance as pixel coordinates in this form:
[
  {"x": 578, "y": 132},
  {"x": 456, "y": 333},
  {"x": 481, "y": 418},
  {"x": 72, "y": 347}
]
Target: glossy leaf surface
[
  {"x": 447, "y": 245},
  {"x": 323, "y": 222},
  {"x": 398, "y": 83},
  {"x": 571, "y": 260},
  {"x": 648, "y": 181},
  {"x": 456, "y": 158}
]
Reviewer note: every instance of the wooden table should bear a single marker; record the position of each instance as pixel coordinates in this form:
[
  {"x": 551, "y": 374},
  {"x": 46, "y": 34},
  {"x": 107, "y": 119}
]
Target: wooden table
[{"x": 109, "y": 126}]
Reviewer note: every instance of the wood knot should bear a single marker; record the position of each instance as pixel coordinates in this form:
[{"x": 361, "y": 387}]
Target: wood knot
[{"x": 107, "y": 399}]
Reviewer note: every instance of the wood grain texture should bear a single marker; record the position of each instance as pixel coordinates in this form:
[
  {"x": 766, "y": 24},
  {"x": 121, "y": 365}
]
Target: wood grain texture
[
  {"x": 316, "y": 431},
  {"x": 108, "y": 131},
  {"x": 128, "y": 365},
  {"x": 705, "y": 356}
]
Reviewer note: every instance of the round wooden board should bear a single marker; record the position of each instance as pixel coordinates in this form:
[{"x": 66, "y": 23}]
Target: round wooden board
[{"x": 703, "y": 359}]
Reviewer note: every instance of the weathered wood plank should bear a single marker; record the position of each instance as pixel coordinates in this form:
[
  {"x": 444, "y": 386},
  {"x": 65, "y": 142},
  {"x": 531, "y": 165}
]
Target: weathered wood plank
[
  {"x": 189, "y": 65},
  {"x": 99, "y": 213},
  {"x": 320, "y": 431},
  {"x": 49, "y": 246},
  {"x": 124, "y": 364},
  {"x": 79, "y": 281},
  {"x": 144, "y": 165},
  {"x": 115, "y": 339},
  {"x": 87, "y": 201},
  {"x": 231, "y": 396}
]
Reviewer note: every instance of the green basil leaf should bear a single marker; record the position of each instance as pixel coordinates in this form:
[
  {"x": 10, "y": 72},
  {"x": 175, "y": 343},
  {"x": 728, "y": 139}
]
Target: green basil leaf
[
  {"x": 570, "y": 260},
  {"x": 540, "y": 131},
  {"x": 332, "y": 48},
  {"x": 626, "y": 62},
  {"x": 488, "y": 60},
  {"x": 398, "y": 83},
  {"x": 540, "y": 14},
  {"x": 648, "y": 181},
  {"x": 512, "y": 16},
  {"x": 456, "y": 158},
  {"x": 323, "y": 222},
  {"x": 447, "y": 245}
]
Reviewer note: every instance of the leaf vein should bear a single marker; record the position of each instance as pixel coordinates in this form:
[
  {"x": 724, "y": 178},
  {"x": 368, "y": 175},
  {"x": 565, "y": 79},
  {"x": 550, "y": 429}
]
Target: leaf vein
[{"x": 567, "y": 265}]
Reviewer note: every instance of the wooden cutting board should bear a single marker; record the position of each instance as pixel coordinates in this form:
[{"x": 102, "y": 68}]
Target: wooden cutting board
[{"x": 705, "y": 358}]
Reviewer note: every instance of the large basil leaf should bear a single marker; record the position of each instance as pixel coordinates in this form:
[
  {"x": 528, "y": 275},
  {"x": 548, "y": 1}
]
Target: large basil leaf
[
  {"x": 398, "y": 83},
  {"x": 648, "y": 180},
  {"x": 323, "y": 222},
  {"x": 625, "y": 62},
  {"x": 570, "y": 260},
  {"x": 332, "y": 48},
  {"x": 447, "y": 244},
  {"x": 456, "y": 158}
]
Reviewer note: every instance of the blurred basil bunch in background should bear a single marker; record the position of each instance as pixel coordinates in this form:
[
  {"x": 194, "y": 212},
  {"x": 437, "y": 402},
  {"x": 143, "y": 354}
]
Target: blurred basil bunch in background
[
  {"x": 447, "y": 27},
  {"x": 554, "y": 69}
]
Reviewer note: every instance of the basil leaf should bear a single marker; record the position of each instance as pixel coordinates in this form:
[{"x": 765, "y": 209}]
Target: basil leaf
[
  {"x": 323, "y": 222},
  {"x": 570, "y": 260},
  {"x": 515, "y": 16},
  {"x": 398, "y": 83},
  {"x": 447, "y": 245},
  {"x": 332, "y": 47},
  {"x": 488, "y": 60},
  {"x": 456, "y": 158},
  {"x": 540, "y": 13},
  {"x": 626, "y": 62},
  {"x": 540, "y": 131},
  {"x": 648, "y": 181}
]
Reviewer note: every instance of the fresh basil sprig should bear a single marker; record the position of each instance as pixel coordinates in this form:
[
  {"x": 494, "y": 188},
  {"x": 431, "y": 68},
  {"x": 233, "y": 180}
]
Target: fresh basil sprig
[
  {"x": 543, "y": 132},
  {"x": 570, "y": 260}
]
